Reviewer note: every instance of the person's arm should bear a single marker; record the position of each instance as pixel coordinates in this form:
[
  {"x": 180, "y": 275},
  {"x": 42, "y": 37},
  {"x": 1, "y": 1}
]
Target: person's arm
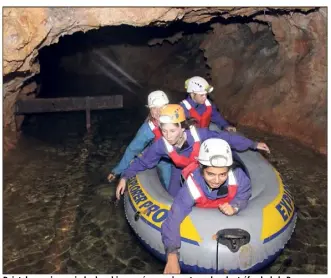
[
  {"x": 217, "y": 119},
  {"x": 244, "y": 190},
  {"x": 137, "y": 145},
  {"x": 148, "y": 160},
  {"x": 170, "y": 229},
  {"x": 236, "y": 142}
]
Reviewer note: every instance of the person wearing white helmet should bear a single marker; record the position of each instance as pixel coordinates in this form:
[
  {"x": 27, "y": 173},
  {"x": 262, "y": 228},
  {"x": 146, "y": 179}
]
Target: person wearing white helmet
[
  {"x": 198, "y": 106},
  {"x": 213, "y": 181},
  {"x": 180, "y": 144},
  {"x": 148, "y": 132}
]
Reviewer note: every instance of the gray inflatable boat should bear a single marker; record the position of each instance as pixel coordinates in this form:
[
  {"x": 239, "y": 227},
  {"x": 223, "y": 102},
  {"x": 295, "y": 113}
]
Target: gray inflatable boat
[{"x": 211, "y": 241}]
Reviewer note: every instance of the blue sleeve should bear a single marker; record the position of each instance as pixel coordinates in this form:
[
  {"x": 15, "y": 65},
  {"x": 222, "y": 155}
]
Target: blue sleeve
[
  {"x": 148, "y": 160},
  {"x": 170, "y": 229},
  {"x": 236, "y": 142},
  {"x": 143, "y": 137},
  {"x": 217, "y": 119},
  {"x": 244, "y": 190}
]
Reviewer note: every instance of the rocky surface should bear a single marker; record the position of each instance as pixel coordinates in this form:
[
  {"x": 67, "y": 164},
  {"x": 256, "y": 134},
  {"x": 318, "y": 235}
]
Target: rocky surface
[
  {"x": 268, "y": 66},
  {"x": 58, "y": 217},
  {"x": 28, "y": 29},
  {"x": 273, "y": 77}
]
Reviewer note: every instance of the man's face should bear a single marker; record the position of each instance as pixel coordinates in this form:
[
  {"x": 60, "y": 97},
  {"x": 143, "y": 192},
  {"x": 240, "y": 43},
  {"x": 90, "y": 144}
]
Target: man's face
[
  {"x": 215, "y": 176},
  {"x": 199, "y": 98}
]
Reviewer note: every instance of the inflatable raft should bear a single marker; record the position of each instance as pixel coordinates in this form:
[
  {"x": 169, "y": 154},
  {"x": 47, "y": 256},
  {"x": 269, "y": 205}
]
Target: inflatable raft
[{"x": 210, "y": 241}]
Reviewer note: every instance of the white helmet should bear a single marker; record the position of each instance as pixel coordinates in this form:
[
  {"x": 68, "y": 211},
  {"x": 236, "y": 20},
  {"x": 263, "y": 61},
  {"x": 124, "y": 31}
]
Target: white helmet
[
  {"x": 157, "y": 99},
  {"x": 215, "y": 152},
  {"x": 198, "y": 85}
]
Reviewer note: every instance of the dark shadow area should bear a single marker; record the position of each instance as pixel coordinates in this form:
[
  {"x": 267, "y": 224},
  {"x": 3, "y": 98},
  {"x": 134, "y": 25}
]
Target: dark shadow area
[
  {"x": 96, "y": 63},
  {"x": 50, "y": 57}
]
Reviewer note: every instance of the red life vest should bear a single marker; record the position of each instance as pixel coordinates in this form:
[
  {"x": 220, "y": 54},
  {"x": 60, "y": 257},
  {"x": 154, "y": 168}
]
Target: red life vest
[
  {"x": 204, "y": 119},
  {"x": 199, "y": 196},
  {"x": 189, "y": 169},
  {"x": 182, "y": 161},
  {"x": 155, "y": 129}
]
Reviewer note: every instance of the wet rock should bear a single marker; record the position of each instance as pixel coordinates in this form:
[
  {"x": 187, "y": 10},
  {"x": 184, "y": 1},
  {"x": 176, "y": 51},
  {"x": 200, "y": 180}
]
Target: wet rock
[
  {"x": 127, "y": 251},
  {"x": 307, "y": 268},
  {"x": 299, "y": 258},
  {"x": 93, "y": 258},
  {"x": 292, "y": 270},
  {"x": 127, "y": 270},
  {"x": 318, "y": 259},
  {"x": 317, "y": 250},
  {"x": 107, "y": 191},
  {"x": 320, "y": 269},
  {"x": 304, "y": 214},
  {"x": 137, "y": 264},
  {"x": 116, "y": 266},
  {"x": 46, "y": 268},
  {"x": 295, "y": 243}
]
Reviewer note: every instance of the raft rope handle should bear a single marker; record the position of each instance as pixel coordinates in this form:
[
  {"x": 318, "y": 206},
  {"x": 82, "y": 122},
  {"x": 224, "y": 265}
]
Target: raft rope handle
[
  {"x": 217, "y": 243},
  {"x": 230, "y": 237}
]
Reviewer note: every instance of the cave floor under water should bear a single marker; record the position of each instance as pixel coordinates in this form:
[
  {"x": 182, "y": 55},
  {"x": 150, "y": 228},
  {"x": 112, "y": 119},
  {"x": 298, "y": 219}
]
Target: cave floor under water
[{"x": 57, "y": 217}]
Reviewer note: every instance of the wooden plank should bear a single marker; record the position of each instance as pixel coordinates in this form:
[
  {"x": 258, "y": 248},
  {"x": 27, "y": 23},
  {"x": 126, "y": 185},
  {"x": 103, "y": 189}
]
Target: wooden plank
[{"x": 43, "y": 105}]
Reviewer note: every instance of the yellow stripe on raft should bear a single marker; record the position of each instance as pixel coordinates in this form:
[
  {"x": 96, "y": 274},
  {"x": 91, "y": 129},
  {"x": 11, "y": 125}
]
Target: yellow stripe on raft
[
  {"x": 155, "y": 212},
  {"x": 278, "y": 213}
]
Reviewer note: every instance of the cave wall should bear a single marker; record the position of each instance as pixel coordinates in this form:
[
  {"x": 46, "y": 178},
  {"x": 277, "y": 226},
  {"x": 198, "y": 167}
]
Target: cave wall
[{"x": 271, "y": 76}]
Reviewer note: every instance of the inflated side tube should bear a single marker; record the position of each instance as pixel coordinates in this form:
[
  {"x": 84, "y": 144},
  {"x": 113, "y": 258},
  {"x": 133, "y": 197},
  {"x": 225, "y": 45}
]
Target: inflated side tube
[{"x": 211, "y": 241}]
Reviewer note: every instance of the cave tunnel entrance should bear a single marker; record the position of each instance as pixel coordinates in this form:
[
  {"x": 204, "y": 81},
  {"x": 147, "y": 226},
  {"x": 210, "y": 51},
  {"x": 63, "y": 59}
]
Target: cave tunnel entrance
[
  {"x": 133, "y": 61},
  {"x": 122, "y": 60}
]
